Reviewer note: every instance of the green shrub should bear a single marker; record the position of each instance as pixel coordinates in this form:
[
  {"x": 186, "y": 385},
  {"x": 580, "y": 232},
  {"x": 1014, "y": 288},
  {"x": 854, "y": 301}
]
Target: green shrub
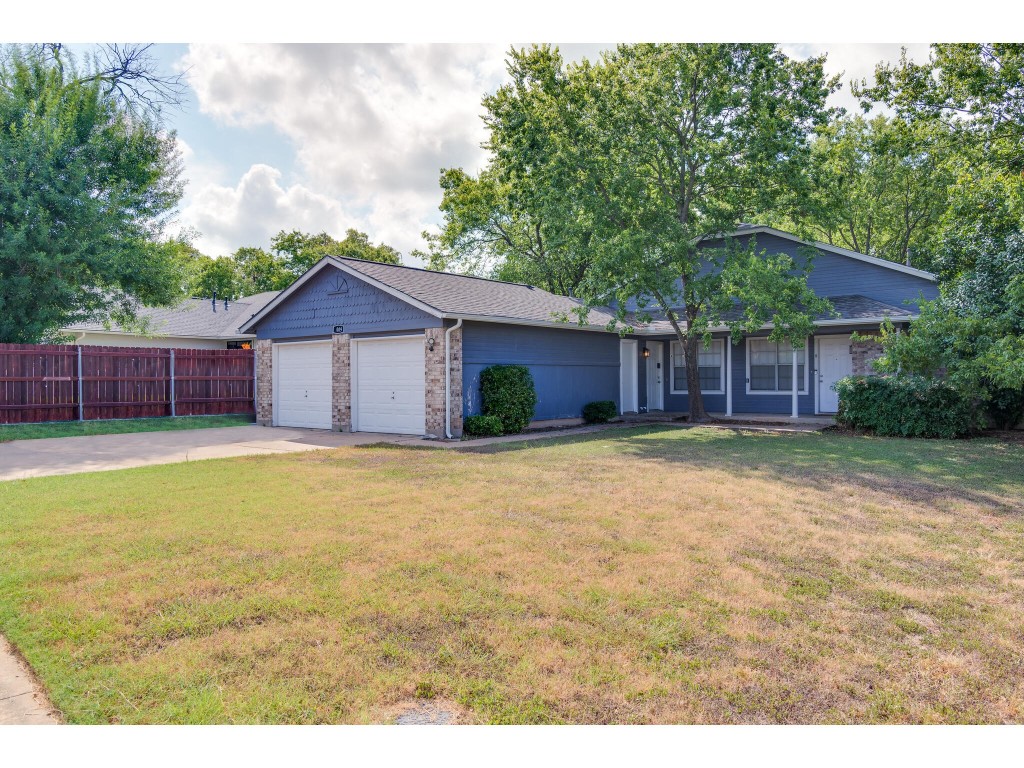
[
  {"x": 507, "y": 391},
  {"x": 482, "y": 426},
  {"x": 599, "y": 411},
  {"x": 1005, "y": 408},
  {"x": 904, "y": 406}
]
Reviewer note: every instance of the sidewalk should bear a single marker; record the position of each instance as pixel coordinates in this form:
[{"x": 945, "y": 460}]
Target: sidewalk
[{"x": 22, "y": 701}]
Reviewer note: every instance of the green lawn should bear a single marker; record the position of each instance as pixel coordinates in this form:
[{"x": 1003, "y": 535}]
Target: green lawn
[
  {"x": 628, "y": 576},
  {"x": 10, "y": 432}
]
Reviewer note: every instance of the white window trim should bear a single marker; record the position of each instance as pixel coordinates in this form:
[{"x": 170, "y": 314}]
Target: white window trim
[
  {"x": 684, "y": 391},
  {"x": 778, "y": 392}
]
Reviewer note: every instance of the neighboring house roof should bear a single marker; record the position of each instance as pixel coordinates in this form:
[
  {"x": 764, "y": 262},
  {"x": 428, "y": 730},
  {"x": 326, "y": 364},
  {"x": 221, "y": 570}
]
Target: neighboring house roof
[
  {"x": 193, "y": 318},
  {"x": 446, "y": 295},
  {"x": 848, "y": 310}
]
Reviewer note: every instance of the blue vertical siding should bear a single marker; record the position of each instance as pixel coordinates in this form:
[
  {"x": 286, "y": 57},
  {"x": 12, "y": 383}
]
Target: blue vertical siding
[
  {"x": 316, "y": 307},
  {"x": 570, "y": 368}
]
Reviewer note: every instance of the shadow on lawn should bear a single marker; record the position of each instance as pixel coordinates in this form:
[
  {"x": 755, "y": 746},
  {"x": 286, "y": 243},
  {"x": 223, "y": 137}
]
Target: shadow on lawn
[{"x": 983, "y": 472}]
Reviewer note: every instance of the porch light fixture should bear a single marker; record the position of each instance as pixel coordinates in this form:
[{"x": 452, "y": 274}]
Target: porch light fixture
[
  {"x": 647, "y": 352},
  {"x": 430, "y": 344}
]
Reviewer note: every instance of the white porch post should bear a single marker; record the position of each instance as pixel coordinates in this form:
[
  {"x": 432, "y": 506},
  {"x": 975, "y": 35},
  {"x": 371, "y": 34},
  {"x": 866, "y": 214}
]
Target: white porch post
[
  {"x": 796, "y": 394},
  {"x": 728, "y": 377}
]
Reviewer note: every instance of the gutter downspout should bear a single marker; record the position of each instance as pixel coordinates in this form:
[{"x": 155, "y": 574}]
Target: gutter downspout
[{"x": 448, "y": 379}]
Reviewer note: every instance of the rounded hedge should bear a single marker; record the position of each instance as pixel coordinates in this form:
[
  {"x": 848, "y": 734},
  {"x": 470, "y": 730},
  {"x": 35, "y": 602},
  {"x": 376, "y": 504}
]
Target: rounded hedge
[
  {"x": 482, "y": 426},
  {"x": 599, "y": 411},
  {"x": 904, "y": 406},
  {"x": 507, "y": 391}
]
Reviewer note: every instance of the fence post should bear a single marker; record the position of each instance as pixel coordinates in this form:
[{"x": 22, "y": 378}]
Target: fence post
[
  {"x": 172, "y": 384},
  {"x": 81, "y": 406}
]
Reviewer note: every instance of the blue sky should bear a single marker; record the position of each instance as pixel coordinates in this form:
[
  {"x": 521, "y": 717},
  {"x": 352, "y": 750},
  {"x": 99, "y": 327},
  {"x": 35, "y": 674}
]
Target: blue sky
[{"x": 326, "y": 137}]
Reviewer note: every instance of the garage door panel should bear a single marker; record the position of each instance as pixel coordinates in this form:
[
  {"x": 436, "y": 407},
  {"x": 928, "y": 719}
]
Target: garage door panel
[
  {"x": 302, "y": 395},
  {"x": 390, "y": 388}
]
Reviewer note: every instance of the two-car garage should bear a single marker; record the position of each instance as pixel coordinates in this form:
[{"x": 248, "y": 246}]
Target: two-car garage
[{"x": 387, "y": 384}]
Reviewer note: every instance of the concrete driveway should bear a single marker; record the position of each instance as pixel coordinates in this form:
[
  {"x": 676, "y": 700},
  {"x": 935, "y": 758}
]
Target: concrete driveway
[{"x": 96, "y": 453}]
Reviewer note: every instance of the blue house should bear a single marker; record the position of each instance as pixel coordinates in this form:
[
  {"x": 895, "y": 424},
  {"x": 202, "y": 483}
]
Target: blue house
[{"x": 363, "y": 346}]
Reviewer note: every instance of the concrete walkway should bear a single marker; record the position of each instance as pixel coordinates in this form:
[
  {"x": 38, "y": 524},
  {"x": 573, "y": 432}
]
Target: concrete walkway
[
  {"x": 22, "y": 701},
  {"x": 21, "y": 459}
]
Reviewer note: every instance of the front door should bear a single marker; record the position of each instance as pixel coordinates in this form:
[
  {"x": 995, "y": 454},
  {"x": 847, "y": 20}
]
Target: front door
[
  {"x": 655, "y": 377},
  {"x": 834, "y": 363}
]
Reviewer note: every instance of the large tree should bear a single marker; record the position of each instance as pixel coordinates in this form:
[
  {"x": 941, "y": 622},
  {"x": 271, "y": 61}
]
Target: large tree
[
  {"x": 89, "y": 181},
  {"x": 880, "y": 187},
  {"x": 655, "y": 149}
]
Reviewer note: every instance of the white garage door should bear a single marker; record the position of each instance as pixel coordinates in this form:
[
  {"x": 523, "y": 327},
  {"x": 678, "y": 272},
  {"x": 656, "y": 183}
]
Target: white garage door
[
  {"x": 389, "y": 386},
  {"x": 302, "y": 385}
]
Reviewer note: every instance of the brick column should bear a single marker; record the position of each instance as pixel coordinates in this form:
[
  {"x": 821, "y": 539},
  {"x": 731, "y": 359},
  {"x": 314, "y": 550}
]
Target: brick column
[
  {"x": 264, "y": 382},
  {"x": 864, "y": 354},
  {"x": 341, "y": 382},
  {"x": 434, "y": 380},
  {"x": 456, "y": 383}
]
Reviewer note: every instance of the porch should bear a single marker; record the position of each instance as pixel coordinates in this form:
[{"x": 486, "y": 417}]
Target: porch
[{"x": 752, "y": 380}]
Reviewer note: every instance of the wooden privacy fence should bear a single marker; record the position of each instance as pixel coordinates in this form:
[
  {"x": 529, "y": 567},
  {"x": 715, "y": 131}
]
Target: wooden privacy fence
[{"x": 57, "y": 382}]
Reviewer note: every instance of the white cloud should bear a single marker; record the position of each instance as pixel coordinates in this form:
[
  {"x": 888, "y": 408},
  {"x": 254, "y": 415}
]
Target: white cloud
[
  {"x": 256, "y": 209},
  {"x": 371, "y": 125}
]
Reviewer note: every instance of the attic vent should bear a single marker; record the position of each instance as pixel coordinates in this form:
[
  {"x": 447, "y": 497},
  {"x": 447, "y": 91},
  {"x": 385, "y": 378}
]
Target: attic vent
[{"x": 338, "y": 285}]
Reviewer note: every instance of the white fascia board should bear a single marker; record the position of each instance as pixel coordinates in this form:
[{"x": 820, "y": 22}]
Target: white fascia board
[
  {"x": 520, "y": 321},
  {"x": 833, "y": 249},
  {"x": 236, "y": 337}
]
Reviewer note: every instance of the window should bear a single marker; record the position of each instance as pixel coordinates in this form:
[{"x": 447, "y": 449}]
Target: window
[
  {"x": 770, "y": 366},
  {"x": 711, "y": 365}
]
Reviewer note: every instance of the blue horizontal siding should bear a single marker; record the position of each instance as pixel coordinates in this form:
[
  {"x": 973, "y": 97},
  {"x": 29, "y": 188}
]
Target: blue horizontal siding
[
  {"x": 315, "y": 308},
  {"x": 570, "y": 368}
]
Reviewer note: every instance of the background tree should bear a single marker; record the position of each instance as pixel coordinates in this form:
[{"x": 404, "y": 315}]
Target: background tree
[
  {"x": 880, "y": 187},
  {"x": 490, "y": 231},
  {"x": 654, "y": 149},
  {"x": 89, "y": 181},
  {"x": 976, "y": 91},
  {"x": 260, "y": 271},
  {"x": 300, "y": 250}
]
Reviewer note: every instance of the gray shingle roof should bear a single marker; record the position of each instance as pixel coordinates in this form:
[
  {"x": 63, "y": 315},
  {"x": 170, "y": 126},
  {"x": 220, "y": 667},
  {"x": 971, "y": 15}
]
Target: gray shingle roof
[
  {"x": 464, "y": 295},
  {"x": 194, "y": 318}
]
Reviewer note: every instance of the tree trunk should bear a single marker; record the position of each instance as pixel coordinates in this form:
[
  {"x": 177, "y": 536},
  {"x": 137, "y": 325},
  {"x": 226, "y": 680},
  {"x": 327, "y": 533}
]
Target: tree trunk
[{"x": 696, "y": 398}]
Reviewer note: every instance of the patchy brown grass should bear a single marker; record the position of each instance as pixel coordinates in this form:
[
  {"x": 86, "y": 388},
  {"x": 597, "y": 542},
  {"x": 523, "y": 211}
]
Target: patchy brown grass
[{"x": 645, "y": 575}]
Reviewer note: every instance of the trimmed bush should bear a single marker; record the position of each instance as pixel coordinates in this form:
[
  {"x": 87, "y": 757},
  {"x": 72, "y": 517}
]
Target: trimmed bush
[
  {"x": 903, "y": 406},
  {"x": 507, "y": 391},
  {"x": 482, "y": 426},
  {"x": 599, "y": 411}
]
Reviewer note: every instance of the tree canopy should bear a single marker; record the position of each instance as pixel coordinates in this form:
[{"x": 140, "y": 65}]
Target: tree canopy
[
  {"x": 301, "y": 250},
  {"x": 90, "y": 180},
  {"x": 649, "y": 152},
  {"x": 879, "y": 186},
  {"x": 250, "y": 270}
]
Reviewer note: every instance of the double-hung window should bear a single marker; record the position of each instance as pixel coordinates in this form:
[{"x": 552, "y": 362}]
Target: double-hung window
[
  {"x": 710, "y": 362},
  {"x": 770, "y": 366}
]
